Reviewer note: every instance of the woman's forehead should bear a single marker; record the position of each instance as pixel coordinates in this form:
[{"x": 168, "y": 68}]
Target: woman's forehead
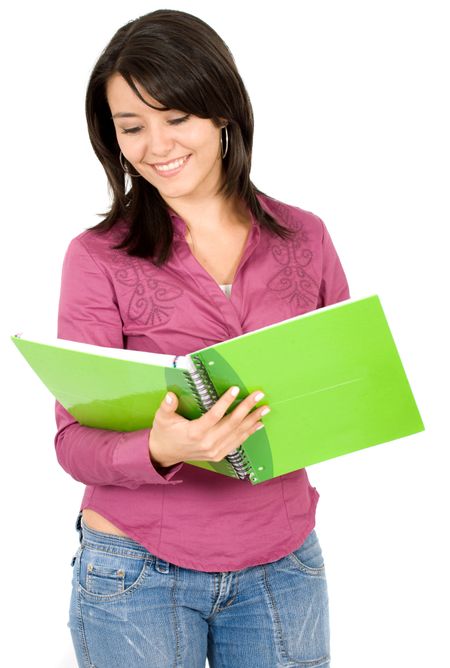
[{"x": 119, "y": 91}]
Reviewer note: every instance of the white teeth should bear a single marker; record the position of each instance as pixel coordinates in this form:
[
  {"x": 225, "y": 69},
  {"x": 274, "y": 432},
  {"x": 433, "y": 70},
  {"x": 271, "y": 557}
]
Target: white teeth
[{"x": 171, "y": 165}]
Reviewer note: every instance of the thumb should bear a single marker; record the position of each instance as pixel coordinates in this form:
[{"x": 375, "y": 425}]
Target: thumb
[{"x": 170, "y": 402}]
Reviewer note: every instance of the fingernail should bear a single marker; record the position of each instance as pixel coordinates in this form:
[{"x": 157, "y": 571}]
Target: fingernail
[
  {"x": 259, "y": 396},
  {"x": 260, "y": 427},
  {"x": 265, "y": 411},
  {"x": 169, "y": 399},
  {"x": 235, "y": 391}
]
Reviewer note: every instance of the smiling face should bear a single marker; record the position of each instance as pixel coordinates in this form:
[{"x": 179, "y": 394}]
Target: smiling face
[{"x": 148, "y": 138}]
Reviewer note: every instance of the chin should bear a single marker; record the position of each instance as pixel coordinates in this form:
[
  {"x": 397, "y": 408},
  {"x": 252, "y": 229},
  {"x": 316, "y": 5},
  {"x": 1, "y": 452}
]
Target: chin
[{"x": 177, "y": 191}]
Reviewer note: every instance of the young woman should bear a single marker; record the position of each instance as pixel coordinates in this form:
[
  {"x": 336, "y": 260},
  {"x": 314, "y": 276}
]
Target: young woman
[{"x": 178, "y": 563}]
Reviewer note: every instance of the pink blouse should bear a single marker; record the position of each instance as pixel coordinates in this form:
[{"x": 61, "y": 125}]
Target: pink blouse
[{"x": 184, "y": 514}]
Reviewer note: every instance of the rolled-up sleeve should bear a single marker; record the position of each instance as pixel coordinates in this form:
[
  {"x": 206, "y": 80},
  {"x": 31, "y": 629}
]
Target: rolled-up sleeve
[{"x": 89, "y": 313}]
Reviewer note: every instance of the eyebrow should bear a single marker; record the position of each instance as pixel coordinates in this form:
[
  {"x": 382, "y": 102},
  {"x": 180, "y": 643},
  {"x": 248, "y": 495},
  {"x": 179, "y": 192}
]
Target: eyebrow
[
  {"x": 125, "y": 114},
  {"x": 129, "y": 114}
]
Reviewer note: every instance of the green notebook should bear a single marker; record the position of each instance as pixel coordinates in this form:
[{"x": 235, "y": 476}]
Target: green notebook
[{"x": 332, "y": 377}]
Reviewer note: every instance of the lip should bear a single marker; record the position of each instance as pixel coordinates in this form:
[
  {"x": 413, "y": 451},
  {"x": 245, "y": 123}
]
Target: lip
[{"x": 171, "y": 172}]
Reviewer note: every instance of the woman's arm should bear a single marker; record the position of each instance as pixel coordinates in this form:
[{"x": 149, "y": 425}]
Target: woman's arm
[
  {"x": 89, "y": 313},
  {"x": 333, "y": 287}
]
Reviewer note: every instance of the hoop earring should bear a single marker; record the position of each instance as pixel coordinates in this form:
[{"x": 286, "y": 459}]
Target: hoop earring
[
  {"x": 126, "y": 170},
  {"x": 226, "y": 142}
]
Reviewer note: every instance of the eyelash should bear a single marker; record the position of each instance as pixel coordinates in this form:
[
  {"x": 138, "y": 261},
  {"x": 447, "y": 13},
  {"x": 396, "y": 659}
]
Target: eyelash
[{"x": 175, "y": 121}]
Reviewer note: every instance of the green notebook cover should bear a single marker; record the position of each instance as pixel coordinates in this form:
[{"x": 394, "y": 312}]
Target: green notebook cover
[{"x": 332, "y": 377}]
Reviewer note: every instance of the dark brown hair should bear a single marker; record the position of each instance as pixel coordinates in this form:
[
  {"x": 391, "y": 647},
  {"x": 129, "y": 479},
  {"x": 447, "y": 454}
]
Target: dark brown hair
[{"x": 184, "y": 64}]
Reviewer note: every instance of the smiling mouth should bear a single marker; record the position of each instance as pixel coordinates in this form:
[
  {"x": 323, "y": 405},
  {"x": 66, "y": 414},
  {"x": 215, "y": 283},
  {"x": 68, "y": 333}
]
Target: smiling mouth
[{"x": 171, "y": 167}]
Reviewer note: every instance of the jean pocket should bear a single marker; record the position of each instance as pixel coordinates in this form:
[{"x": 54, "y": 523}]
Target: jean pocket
[
  {"x": 308, "y": 557},
  {"x": 108, "y": 575}
]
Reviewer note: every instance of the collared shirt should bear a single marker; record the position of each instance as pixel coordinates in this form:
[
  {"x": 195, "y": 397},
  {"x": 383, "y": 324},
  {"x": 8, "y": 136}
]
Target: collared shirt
[{"x": 184, "y": 514}]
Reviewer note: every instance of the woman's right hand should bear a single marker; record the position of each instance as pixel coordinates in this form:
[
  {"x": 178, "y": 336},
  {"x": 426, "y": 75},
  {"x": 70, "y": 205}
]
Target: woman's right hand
[{"x": 211, "y": 437}]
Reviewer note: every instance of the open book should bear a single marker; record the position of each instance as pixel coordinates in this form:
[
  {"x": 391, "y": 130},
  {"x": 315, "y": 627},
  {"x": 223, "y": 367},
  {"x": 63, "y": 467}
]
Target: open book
[{"x": 332, "y": 377}]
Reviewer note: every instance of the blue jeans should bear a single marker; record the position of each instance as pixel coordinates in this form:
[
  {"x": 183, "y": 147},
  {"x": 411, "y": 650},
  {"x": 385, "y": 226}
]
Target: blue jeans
[{"x": 130, "y": 609}]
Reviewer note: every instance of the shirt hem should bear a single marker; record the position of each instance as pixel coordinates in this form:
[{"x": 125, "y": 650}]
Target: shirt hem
[{"x": 293, "y": 544}]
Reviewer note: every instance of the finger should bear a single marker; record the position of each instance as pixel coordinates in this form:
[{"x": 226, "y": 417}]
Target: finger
[
  {"x": 231, "y": 424},
  {"x": 167, "y": 407},
  {"x": 254, "y": 419},
  {"x": 239, "y": 427},
  {"x": 170, "y": 402},
  {"x": 218, "y": 410},
  {"x": 243, "y": 409},
  {"x": 233, "y": 441}
]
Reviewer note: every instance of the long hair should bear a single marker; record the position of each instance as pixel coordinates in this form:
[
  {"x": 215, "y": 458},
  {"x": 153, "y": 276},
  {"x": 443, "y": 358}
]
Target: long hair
[{"x": 183, "y": 64}]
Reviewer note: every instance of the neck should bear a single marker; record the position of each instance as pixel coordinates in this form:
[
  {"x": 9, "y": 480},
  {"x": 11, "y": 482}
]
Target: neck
[{"x": 214, "y": 215}]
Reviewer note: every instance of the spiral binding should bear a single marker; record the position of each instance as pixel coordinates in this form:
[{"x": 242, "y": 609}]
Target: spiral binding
[
  {"x": 206, "y": 396},
  {"x": 240, "y": 463}
]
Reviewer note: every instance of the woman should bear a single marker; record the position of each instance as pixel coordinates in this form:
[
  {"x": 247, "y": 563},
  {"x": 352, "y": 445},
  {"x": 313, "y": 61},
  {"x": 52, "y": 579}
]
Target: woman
[{"x": 178, "y": 563}]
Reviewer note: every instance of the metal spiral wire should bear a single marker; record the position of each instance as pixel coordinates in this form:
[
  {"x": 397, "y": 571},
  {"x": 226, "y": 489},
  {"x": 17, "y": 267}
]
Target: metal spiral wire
[
  {"x": 240, "y": 463},
  {"x": 206, "y": 396},
  {"x": 204, "y": 389}
]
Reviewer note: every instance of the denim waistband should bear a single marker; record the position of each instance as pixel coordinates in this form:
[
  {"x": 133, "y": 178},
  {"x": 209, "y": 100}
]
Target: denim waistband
[{"x": 118, "y": 544}]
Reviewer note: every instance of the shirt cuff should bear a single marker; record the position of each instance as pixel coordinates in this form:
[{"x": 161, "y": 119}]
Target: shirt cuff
[{"x": 132, "y": 459}]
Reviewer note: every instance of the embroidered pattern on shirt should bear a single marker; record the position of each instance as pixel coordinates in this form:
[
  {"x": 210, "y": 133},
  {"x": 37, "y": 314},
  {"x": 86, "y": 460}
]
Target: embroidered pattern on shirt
[
  {"x": 294, "y": 282},
  {"x": 150, "y": 302}
]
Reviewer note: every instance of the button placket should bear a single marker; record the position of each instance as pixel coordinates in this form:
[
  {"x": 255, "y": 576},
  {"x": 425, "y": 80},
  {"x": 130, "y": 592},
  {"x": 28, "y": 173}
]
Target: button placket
[{"x": 229, "y": 307}]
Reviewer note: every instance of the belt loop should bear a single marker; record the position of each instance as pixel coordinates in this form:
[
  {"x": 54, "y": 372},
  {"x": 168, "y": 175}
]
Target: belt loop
[{"x": 78, "y": 526}]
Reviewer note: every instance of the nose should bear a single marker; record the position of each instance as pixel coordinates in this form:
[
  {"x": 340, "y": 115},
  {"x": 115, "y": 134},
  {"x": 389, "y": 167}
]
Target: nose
[{"x": 159, "y": 142}]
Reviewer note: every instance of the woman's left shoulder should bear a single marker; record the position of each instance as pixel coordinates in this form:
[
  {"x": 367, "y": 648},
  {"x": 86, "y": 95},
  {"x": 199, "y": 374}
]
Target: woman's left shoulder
[{"x": 292, "y": 216}]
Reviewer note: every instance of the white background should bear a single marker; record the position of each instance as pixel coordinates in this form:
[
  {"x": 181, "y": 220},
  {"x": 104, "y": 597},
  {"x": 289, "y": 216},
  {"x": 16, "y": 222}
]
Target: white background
[{"x": 351, "y": 122}]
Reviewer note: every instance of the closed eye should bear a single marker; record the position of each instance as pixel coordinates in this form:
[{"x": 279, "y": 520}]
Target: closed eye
[
  {"x": 175, "y": 121},
  {"x": 131, "y": 131}
]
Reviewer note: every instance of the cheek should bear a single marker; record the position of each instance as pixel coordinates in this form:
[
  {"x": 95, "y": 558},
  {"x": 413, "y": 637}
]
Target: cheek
[
  {"x": 201, "y": 138},
  {"x": 131, "y": 147}
]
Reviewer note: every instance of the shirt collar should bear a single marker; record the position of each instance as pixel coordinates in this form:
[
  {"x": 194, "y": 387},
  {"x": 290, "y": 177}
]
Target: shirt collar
[{"x": 179, "y": 226}]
